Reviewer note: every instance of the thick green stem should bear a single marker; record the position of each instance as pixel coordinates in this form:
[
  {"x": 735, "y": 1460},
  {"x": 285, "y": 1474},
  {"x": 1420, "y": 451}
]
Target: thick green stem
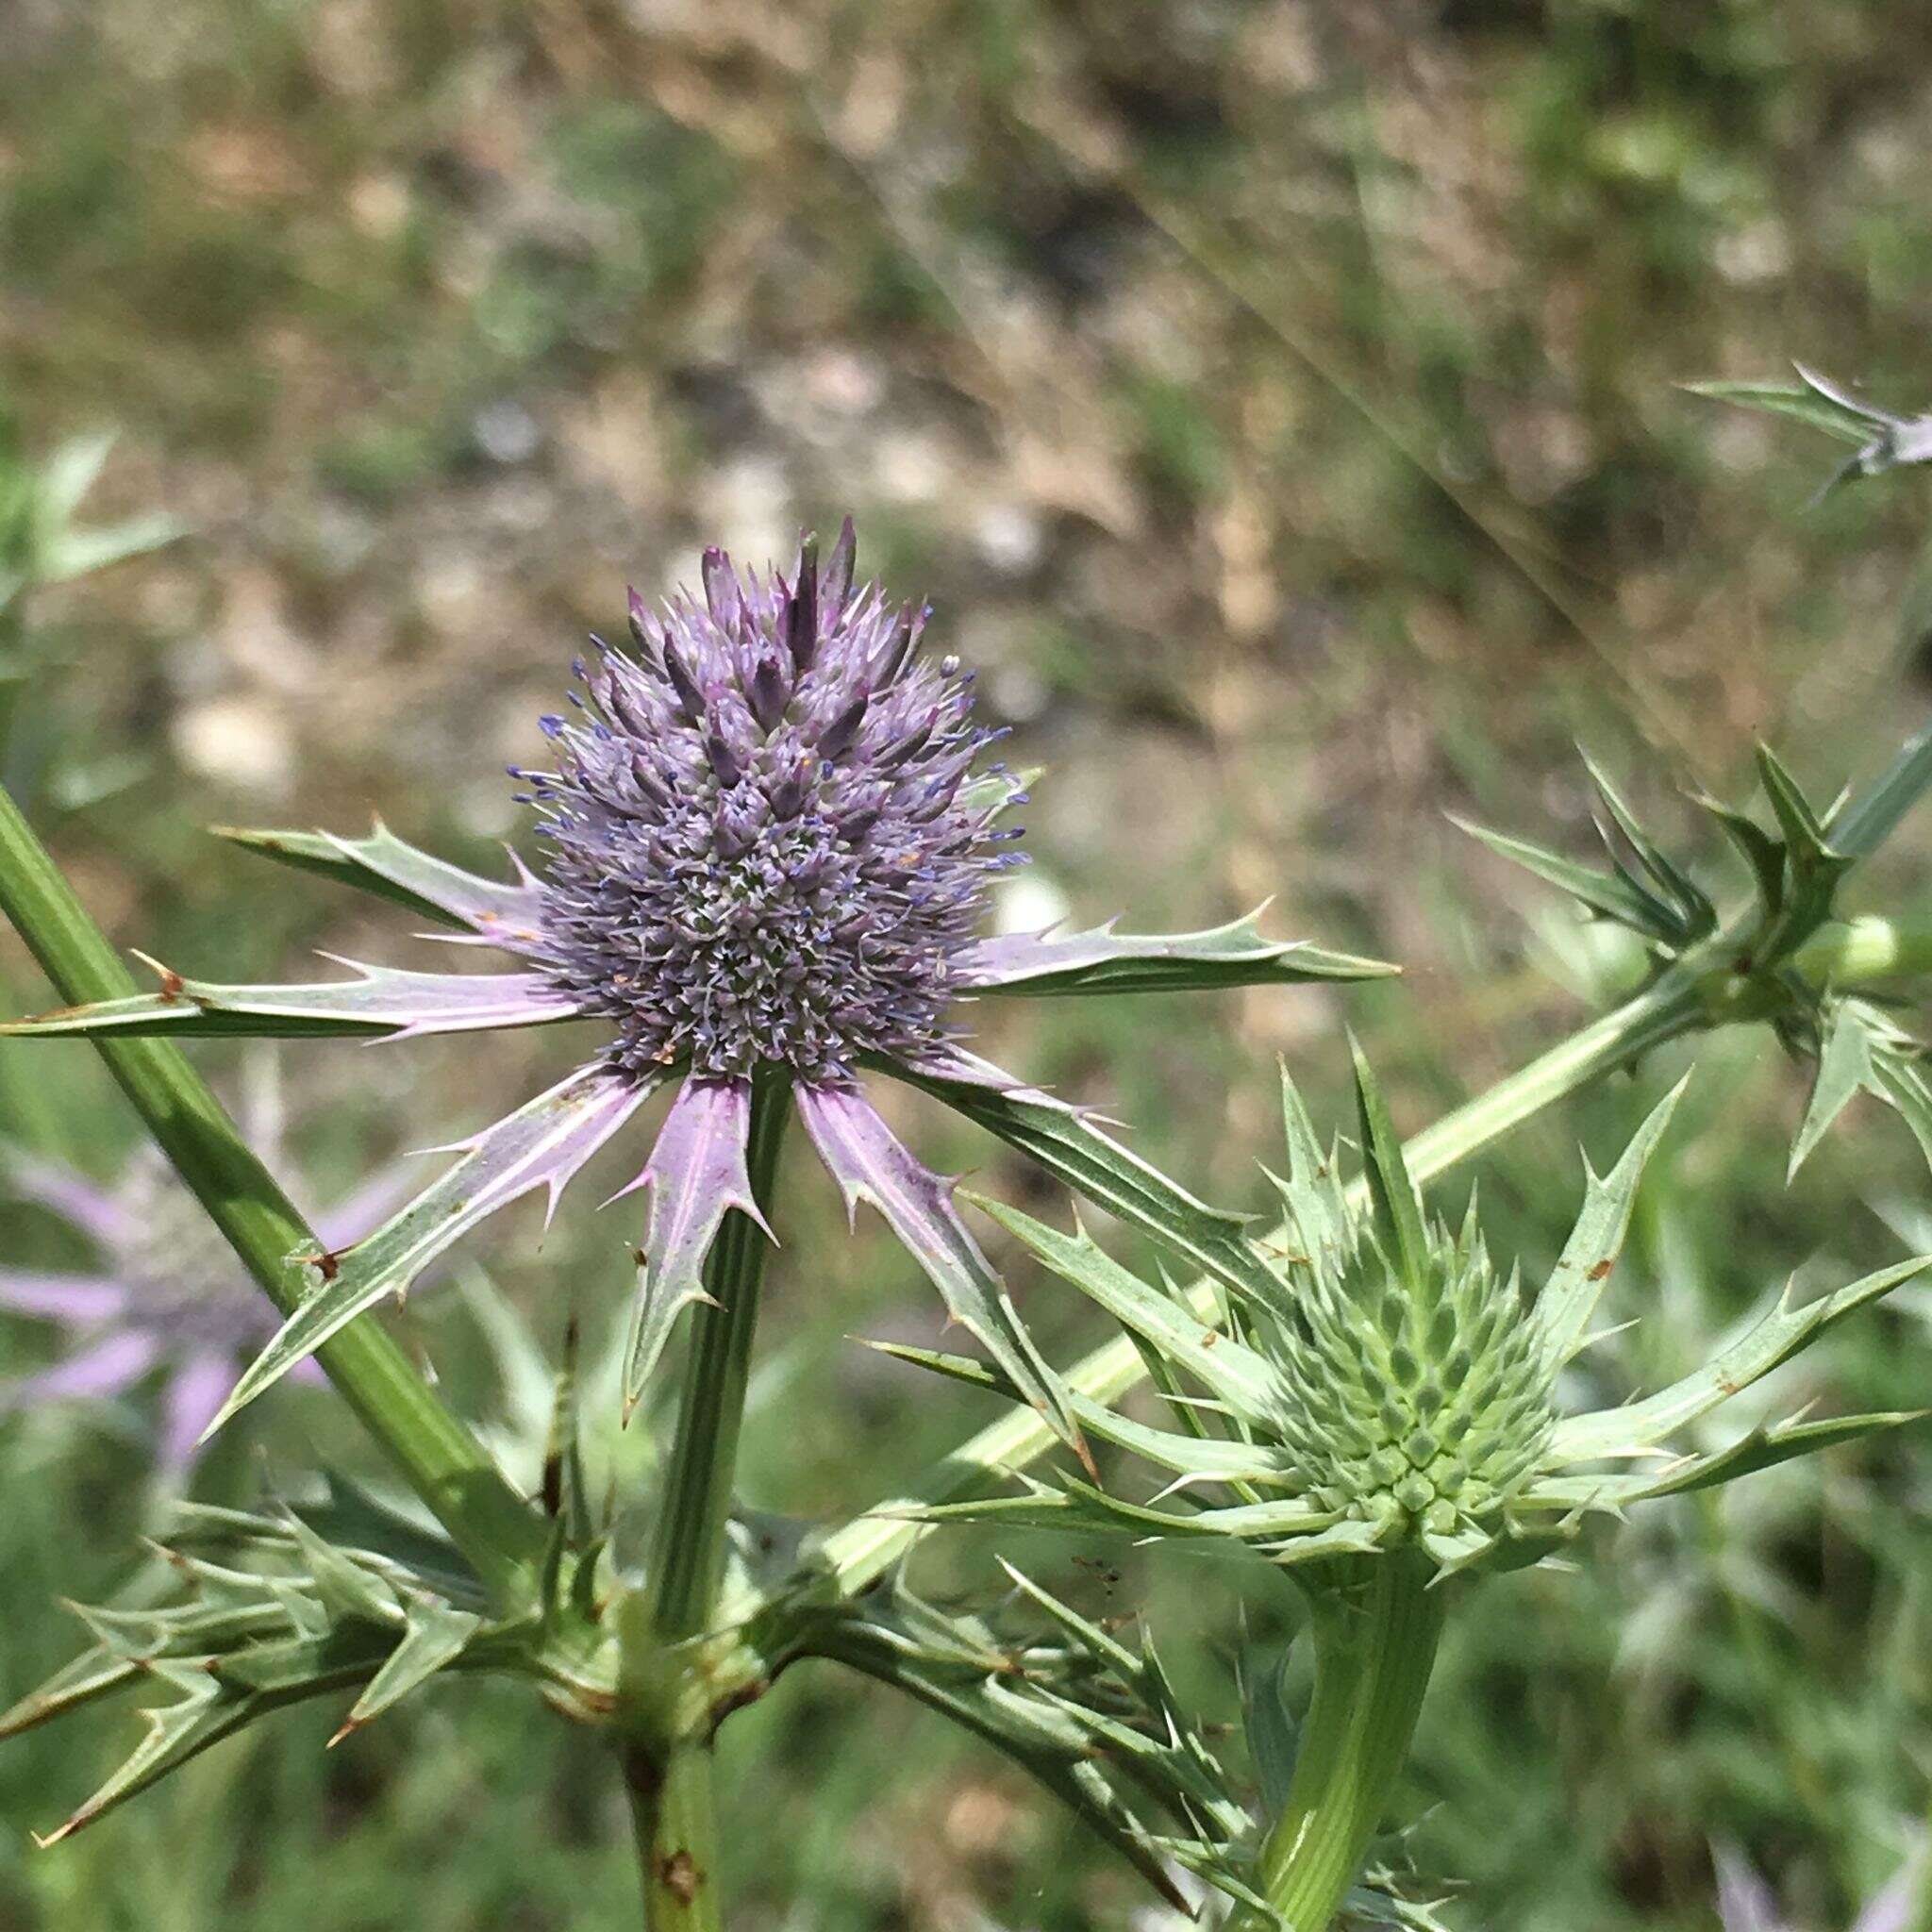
[
  {"x": 673, "y": 1815},
  {"x": 497, "y": 1532},
  {"x": 666, "y": 1712},
  {"x": 1375, "y": 1631}
]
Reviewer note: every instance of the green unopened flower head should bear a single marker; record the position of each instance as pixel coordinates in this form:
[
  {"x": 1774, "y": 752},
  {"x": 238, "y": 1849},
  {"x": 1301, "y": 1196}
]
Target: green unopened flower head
[
  {"x": 1381, "y": 1385},
  {"x": 1412, "y": 1393},
  {"x": 1421, "y": 1409}
]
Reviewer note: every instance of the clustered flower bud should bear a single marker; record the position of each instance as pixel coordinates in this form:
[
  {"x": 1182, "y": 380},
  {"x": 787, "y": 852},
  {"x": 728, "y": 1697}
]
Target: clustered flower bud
[
  {"x": 1422, "y": 1410},
  {"x": 762, "y": 850}
]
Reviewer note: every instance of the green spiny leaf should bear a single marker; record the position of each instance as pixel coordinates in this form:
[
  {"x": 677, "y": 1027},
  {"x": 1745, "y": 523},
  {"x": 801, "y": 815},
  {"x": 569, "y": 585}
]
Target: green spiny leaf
[
  {"x": 1804, "y": 404},
  {"x": 1228, "y": 1367},
  {"x": 1772, "y": 1340},
  {"x": 392, "y": 869},
  {"x": 1689, "y": 910},
  {"x": 1844, "y": 1068},
  {"x": 1763, "y": 854},
  {"x": 1576, "y": 1283},
  {"x": 1612, "y": 897},
  {"x": 345, "y": 1589},
  {"x": 93, "y": 1674},
  {"x": 1069, "y": 1147},
  {"x": 1103, "y": 961},
  {"x": 434, "y": 1637},
  {"x": 1398, "y": 1207}
]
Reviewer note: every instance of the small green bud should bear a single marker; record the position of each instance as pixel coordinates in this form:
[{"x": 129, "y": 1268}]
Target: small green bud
[
  {"x": 1415, "y": 1492},
  {"x": 1462, "y": 1388}
]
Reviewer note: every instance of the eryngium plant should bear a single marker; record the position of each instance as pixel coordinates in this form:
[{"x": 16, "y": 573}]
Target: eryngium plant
[
  {"x": 1386, "y": 1416},
  {"x": 1788, "y": 959},
  {"x": 1398, "y": 1392},
  {"x": 768, "y": 845}
]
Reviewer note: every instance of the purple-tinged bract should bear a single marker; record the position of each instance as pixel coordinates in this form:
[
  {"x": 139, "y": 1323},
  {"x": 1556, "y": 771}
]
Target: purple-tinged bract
[
  {"x": 768, "y": 857},
  {"x": 761, "y": 848}
]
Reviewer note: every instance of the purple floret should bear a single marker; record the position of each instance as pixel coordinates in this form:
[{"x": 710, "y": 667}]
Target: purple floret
[{"x": 762, "y": 850}]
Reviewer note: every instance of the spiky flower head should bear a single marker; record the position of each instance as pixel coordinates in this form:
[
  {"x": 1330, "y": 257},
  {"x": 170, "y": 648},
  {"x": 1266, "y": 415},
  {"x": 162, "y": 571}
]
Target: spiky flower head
[
  {"x": 763, "y": 847},
  {"x": 1419, "y": 1408},
  {"x": 1386, "y": 1388},
  {"x": 768, "y": 830}
]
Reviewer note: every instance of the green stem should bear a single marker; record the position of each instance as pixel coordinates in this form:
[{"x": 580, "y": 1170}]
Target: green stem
[
  {"x": 664, "y": 1708},
  {"x": 696, "y": 1508},
  {"x": 1375, "y": 1631},
  {"x": 674, "y": 1816},
  {"x": 442, "y": 1461}
]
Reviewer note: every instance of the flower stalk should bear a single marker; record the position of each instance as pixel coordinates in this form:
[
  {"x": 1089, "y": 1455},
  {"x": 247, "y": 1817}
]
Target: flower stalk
[
  {"x": 672, "y": 1811},
  {"x": 695, "y": 1507},
  {"x": 433, "y": 1449},
  {"x": 668, "y": 1767},
  {"x": 1375, "y": 1628}
]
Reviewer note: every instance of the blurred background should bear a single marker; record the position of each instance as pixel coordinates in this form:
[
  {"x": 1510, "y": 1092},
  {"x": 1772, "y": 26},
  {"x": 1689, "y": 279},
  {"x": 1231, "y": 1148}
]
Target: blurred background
[{"x": 1277, "y": 398}]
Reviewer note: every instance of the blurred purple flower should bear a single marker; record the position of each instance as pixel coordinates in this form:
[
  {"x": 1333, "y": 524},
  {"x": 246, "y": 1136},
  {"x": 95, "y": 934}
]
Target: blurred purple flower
[
  {"x": 1746, "y": 1904},
  {"x": 168, "y": 1296}
]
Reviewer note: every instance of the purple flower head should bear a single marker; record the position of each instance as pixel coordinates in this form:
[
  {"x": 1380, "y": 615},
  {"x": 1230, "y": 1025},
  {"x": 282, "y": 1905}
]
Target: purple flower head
[
  {"x": 767, "y": 859},
  {"x": 167, "y": 1296},
  {"x": 762, "y": 852}
]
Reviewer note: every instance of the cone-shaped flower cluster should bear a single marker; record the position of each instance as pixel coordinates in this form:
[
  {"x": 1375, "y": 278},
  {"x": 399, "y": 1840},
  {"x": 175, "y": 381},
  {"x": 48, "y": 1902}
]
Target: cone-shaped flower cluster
[
  {"x": 764, "y": 849},
  {"x": 768, "y": 849},
  {"x": 1393, "y": 1391},
  {"x": 1419, "y": 1408}
]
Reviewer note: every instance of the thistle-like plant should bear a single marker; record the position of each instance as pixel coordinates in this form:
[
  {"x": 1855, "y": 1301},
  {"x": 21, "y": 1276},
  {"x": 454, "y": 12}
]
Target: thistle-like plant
[
  {"x": 1385, "y": 1416},
  {"x": 1787, "y": 958},
  {"x": 1397, "y": 1391},
  {"x": 767, "y": 850},
  {"x": 768, "y": 845},
  {"x": 1886, "y": 440},
  {"x": 342, "y": 1598},
  {"x": 1092, "y": 1713},
  {"x": 257, "y": 1610}
]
